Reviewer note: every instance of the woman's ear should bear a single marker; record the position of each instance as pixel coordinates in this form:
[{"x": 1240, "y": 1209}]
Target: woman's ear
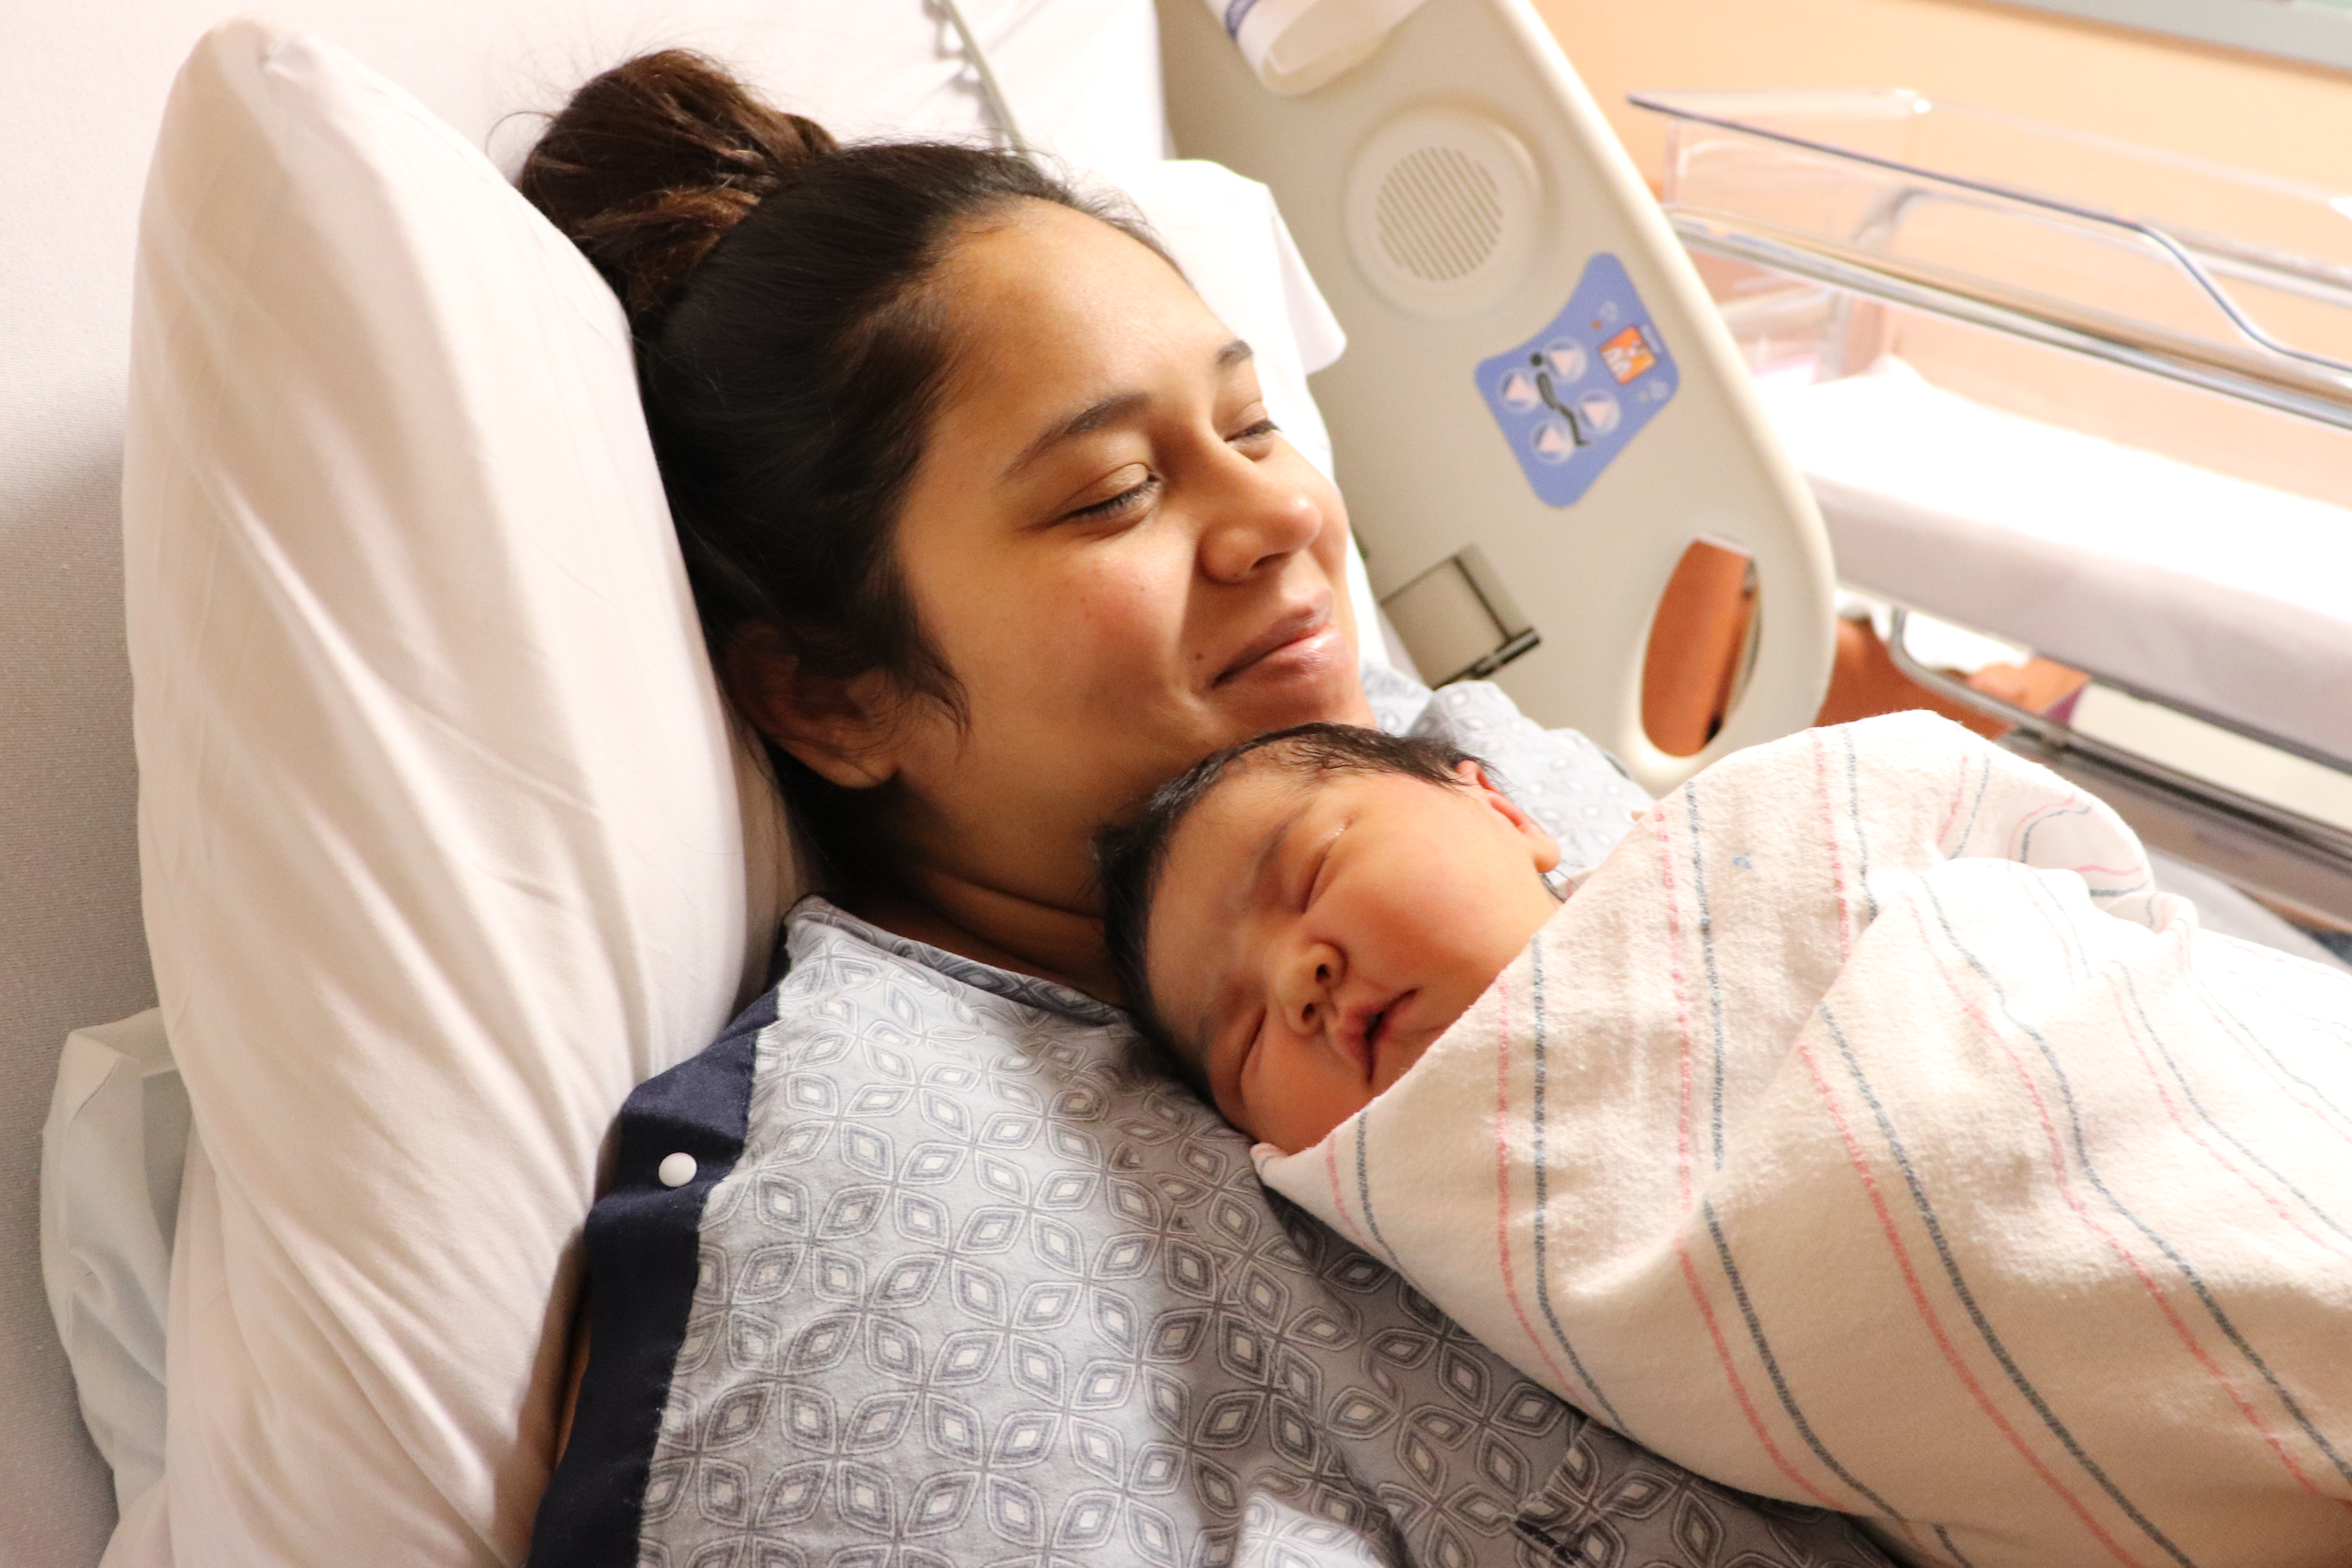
[
  {"x": 1542, "y": 848},
  {"x": 840, "y": 728}
]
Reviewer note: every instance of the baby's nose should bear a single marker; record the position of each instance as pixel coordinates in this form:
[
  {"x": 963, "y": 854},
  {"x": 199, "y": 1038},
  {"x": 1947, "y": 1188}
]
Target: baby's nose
[{"x": 1317, "y": 974}]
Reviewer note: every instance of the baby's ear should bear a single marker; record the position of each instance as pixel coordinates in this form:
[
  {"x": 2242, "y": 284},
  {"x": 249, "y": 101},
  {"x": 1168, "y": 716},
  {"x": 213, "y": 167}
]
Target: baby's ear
[{"x": 1542, "y": 848}]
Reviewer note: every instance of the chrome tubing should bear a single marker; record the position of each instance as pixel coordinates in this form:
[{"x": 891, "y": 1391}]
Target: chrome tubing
[
  {"x": 2289, "y": 385},
  {"x": 2291, "y": 860},
  {"x": 2162, "y": 239}
]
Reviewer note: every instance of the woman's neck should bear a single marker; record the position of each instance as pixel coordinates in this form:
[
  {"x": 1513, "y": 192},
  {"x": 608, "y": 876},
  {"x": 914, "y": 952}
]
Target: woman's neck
[{"x": 1028, "y": 937}]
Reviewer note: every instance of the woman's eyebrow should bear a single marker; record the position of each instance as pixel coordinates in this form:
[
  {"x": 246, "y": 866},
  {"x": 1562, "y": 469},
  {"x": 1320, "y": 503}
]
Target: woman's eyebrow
[
  {"x": 1086, "y": 421},
  {"x": 1108, "y": 411}
]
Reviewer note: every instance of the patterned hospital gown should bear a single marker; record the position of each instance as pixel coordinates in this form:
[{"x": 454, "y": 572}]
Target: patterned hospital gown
[{"x": 960, "y": 1281}]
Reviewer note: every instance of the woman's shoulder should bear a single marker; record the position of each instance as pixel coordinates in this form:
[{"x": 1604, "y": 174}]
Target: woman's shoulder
[
  {"x": 830, "y": 955},
  {"x": 1581, "y": 794}
]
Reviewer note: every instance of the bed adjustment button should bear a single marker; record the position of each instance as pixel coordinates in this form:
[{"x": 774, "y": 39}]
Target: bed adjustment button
[{"x": 676, "y": 1169}]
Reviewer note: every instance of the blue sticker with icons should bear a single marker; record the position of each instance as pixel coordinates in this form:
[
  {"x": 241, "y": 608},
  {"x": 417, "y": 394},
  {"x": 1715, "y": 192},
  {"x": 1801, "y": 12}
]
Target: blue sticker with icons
[{"x": 1570, "y": 398}]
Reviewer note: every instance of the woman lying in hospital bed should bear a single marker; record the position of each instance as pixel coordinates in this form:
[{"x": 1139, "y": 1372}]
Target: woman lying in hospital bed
[
  {"x": 2035, "y": 1191},
  {"x": 444, "y": 851},
  {"x": 990, "y": 531}
]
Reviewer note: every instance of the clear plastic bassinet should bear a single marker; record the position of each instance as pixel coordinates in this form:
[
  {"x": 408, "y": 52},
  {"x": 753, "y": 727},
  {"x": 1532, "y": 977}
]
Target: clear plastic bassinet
[{"x": 2088, "y": 397}]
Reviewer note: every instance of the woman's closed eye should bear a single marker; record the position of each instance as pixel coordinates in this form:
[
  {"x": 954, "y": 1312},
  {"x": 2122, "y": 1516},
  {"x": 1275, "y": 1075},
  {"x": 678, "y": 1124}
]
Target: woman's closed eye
[
  {"x": 1141, "y": 485},
  {"x": 1262, "y": 430},
  {"x": 1138, "y": 492}
]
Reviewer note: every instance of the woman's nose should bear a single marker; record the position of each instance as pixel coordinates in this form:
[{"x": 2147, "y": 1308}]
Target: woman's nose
[
  {"x": 1304, "y": 986},
  {"x": 1258, "y": 519}
]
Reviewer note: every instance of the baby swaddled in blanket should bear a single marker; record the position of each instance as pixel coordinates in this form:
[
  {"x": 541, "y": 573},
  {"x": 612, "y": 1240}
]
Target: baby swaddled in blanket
[{"x": 1863, "y": 1132}]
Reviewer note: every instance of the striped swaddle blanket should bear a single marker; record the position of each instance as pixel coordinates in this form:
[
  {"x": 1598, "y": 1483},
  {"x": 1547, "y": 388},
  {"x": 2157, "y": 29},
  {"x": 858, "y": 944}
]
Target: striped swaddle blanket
[{"x": 1865, "y": 1132}]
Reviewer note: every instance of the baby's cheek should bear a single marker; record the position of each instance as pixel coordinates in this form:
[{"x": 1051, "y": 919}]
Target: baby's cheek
[{"x": 1313, "y": 1113}]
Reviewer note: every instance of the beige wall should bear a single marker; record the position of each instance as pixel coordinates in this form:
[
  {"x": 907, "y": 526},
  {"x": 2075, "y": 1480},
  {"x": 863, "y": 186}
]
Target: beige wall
[{"x": 2244, "y": 110}]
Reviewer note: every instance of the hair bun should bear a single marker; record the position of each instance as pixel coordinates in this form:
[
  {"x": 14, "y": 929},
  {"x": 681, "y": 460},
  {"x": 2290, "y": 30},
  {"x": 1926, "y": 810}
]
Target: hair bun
[{"x": 652, "y": 162}]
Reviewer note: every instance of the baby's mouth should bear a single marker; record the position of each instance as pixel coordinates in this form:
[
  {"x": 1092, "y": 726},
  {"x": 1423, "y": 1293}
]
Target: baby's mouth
[{"x": 1366, "y": 1027}]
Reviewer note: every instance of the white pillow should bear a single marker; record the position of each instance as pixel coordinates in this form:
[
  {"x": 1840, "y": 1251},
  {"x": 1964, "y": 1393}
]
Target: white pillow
[
  {"x": 438, "y": 817},
  {"x": 112, "y": 1154},
  {"x": 441, "y": 830}
]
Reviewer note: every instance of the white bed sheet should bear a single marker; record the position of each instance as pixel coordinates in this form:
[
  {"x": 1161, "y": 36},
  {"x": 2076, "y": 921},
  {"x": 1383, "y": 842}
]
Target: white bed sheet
[{"x": 2222, "y": 595}]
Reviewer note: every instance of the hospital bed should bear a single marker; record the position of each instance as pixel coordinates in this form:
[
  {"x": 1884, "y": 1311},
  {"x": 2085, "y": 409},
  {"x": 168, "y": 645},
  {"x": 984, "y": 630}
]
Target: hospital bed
[
  {"x": 1584, "y": 372},
  {"x": 1452, "y": 191}
]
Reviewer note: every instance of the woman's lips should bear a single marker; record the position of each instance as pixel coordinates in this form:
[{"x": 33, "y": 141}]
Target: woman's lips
[{"x": 1300, "y": 640}]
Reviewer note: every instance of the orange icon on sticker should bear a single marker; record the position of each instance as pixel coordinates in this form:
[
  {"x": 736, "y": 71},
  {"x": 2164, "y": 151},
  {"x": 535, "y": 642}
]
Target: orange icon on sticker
[{"x": 1627, "y": 355}]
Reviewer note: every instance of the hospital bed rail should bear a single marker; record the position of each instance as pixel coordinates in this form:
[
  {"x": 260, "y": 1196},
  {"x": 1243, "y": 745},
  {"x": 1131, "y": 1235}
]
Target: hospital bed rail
[
  {"x": 2294, "y": 862},
  {"x": 1981, "y": 255},
  {"x": 1473, "y": 223},
  {"x": 2309, "y": 386}
]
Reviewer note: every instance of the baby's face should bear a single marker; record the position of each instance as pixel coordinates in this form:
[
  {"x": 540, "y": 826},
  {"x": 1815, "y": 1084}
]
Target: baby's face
[{"x": 1311, "y": 936}]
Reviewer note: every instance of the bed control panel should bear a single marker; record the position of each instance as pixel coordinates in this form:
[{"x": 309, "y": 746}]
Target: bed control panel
[{"x": 1573, "y": 396}]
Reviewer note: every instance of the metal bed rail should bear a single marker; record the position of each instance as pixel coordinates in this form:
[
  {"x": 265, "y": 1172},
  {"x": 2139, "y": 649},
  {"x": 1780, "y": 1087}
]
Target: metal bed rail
[
  {"x": 2297, "y": 862},
  {"x": 2253, "y": 371}
]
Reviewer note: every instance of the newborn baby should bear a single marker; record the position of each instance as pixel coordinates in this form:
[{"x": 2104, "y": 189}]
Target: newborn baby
[
  {"x": 1322, "y": 902},
  {"x": 1865, "y": 1132}
]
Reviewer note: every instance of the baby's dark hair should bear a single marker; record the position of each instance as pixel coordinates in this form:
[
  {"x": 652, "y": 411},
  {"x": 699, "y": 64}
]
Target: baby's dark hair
[{"x": 1130, "y": 857}]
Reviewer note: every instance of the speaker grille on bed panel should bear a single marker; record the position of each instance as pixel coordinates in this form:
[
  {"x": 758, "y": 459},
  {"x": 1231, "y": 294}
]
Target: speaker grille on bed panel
[
  {"x": 1441, "y": 209},
  {"x": 1439, "y": 214}
]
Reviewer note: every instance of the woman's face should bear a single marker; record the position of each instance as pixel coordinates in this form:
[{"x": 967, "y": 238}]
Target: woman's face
[{"x": 1122, "y": 562}]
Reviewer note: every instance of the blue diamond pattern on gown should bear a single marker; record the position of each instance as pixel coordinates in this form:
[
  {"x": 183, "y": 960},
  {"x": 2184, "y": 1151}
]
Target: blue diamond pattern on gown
[{"x": 985, "y": 1290}]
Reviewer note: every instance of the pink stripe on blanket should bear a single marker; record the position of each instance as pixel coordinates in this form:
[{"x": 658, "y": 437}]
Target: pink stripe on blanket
[
  {"x": 1682, "y": 1003},
  {"x": 2061, "y": 1174},
  {"x": 1697, "y": 1287},
  {"x": 1738, "y": 1388},
  {"x": 1877, "y": 1198},
  {"x": 1339, "y": 1194},
  {"x": 2020, "y": 837},
  {"x": 2326, "y": 1113},
  {"x": 1870, "y": 1180},
  {"x": 2172, "y": 1109},
  {"x": 1928, "y": 1316},
  {"x": 1959, "y": 792},
  {"x": 1830, "y": 839}
]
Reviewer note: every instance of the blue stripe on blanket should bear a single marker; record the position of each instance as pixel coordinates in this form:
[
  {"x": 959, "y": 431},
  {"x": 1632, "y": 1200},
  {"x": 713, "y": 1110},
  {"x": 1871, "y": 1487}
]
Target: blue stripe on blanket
[{"x": 1959, "y": 1281}]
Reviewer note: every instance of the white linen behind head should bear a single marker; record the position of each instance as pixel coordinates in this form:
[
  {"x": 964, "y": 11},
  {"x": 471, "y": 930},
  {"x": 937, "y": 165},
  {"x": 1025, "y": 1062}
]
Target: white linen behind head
[{"x": 81, "y": 92}]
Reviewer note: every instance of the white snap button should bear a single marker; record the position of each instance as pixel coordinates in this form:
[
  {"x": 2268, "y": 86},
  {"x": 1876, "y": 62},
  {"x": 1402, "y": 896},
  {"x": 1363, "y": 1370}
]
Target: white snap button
[{"x": 676, "y": 1169}]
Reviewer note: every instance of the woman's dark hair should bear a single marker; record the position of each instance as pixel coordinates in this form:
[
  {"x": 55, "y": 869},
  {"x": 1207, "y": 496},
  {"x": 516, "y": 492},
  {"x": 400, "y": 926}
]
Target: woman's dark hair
[
  {"x": 789, "y": 352},
  {"x": 1130, "y": 856}
]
